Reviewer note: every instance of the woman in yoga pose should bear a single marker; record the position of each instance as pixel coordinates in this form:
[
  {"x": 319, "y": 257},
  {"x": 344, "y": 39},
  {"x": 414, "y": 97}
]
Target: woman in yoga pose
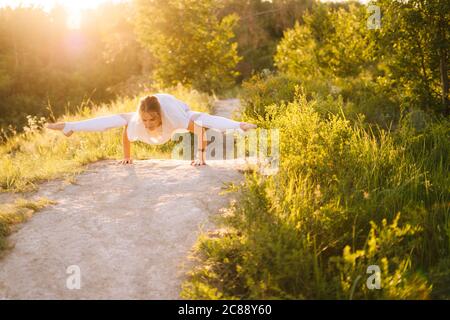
[{"x": 157, "y": 117}]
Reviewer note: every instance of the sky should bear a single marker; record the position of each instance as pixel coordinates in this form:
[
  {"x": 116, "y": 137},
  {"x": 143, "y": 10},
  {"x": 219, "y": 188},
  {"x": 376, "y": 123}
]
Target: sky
[
  {"x": 74, "y": 7},
  {"x": 48, "y": 4},
  {"x": 80, "y": 4}
]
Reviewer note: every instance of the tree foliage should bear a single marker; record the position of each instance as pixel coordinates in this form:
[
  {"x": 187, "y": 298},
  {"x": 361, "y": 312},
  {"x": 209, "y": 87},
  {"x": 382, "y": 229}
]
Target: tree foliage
[
  {"x": 190, "y": 43},
  {"x": 408, "y": 55},
  {"x": 44, "y": 63},
  {"x": 414, "y": 39}
]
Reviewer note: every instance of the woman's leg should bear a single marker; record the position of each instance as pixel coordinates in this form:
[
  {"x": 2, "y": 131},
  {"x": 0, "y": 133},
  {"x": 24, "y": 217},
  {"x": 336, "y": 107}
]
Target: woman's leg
[
  {"x": 220, "y": 123},
  {"x": 96, "y": 124}
]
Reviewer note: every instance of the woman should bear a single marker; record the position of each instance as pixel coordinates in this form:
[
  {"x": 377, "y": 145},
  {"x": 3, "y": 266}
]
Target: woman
[{"x": 157, "y": 117}]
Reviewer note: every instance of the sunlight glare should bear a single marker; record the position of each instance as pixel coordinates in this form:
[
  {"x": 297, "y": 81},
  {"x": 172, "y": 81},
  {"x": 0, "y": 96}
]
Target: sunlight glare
[
  {"x": 73, "y": 7},
  {"x": 73, "y": 18}
]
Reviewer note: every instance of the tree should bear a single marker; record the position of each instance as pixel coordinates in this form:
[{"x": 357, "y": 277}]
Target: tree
[
  {"x": 329, "y": 42},
  {"x": 260, "y": 28},
  {"x": 408, "y": 55},
  {"x": 190, "y": 43},
  {"x": 415, "y": 37},
  {"x": 44, "y": 62}
]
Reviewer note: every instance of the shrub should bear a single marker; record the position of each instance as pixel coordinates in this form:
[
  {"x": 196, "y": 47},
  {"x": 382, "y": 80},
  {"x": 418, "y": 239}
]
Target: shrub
[{"x": 346, "y": 196}]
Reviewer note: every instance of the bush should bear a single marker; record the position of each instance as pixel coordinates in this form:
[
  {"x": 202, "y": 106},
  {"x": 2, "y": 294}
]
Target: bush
[
  {"x": 345, "y": 197},
  {"x": 357, "y": 97},
  {"x": 264, "y": 89}
]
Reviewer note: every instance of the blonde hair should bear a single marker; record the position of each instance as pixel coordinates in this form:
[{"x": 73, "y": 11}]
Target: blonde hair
[{"x": 150, "y": 104}]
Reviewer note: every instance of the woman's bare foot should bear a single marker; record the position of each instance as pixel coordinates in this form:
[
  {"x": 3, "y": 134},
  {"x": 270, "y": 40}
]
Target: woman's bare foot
[
  {"x": 245, "y": 126},
  {"x": 60, "y": 127}
]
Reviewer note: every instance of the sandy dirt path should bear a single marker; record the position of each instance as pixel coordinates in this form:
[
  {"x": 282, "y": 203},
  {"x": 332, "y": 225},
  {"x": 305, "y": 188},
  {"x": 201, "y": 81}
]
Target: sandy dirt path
[{"x": 129, "y": 230}]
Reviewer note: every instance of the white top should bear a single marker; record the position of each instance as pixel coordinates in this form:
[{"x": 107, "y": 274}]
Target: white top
[{"x": 174, "y": 115}]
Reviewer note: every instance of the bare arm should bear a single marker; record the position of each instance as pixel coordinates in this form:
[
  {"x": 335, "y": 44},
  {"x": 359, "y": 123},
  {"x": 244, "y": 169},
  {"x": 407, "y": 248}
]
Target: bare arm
[
  {"x": 126, "y": 148},
  {"x": 201, "y": 145}
]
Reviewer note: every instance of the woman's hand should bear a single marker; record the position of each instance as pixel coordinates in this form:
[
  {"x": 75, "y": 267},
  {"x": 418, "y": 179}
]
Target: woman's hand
[
  {"x": 201, "y": 158},
  {"x": 198, "y": 162},
  {"x": 126, "y": 148},
  {"x": 202, "y": 143},
  {"x": 126, "y": 161}
]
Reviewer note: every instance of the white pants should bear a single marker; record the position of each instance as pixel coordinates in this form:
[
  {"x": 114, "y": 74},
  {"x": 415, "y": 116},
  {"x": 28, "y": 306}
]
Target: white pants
[
  {"x": 119, "y": 120},
  {"x": 213, "y": 122},
  {"x": 97, "y": 124}
]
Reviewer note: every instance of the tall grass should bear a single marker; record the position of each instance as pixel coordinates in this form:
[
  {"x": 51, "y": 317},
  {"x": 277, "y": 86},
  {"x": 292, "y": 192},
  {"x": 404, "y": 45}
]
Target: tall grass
[
  {"x": 347, "y": 196},
  {"x": 38, "y": 154}
]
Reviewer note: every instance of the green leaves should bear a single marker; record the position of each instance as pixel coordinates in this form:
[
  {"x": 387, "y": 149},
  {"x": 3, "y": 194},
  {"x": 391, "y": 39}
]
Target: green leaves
[
  {"x": 415, "y": 36},
  {"x": 329, "y": 42},
  {"x": 191, "y": 44}
]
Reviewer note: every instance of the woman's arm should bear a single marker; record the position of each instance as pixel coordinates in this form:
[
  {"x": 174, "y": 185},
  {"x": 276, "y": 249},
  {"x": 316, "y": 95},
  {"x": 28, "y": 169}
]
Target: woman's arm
[
  {"x": 201, "y": 149},
  {"x": 201, "y": 145},
  {"x": 126, "y": 148}
]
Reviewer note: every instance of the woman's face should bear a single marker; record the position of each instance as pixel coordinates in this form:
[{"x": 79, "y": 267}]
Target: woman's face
[{"x": 152, "y": 120}]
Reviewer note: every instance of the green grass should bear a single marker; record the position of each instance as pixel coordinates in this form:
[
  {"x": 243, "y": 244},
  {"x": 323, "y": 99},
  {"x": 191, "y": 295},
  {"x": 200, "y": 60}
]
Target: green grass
[{"x": 346, "y": 196}]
